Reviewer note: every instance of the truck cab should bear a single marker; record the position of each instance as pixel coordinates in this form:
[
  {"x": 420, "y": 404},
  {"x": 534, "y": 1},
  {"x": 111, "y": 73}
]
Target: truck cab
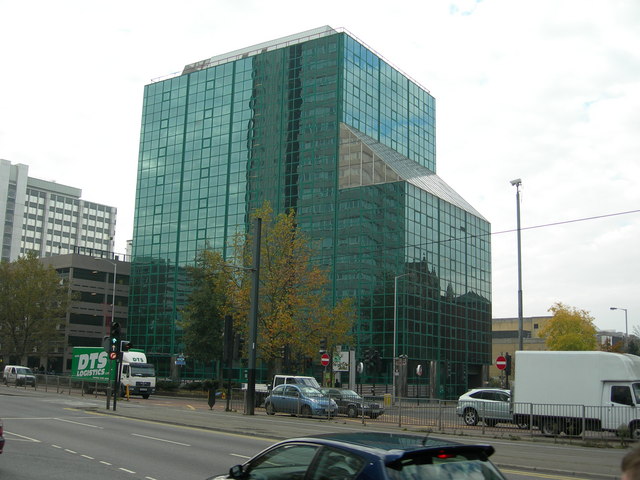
[{"x": 138, "y": 376}]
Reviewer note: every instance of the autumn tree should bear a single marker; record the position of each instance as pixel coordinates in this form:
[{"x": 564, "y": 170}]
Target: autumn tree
[
  {"x": 33, "y": 300},
  {"x": 203, "y": 314},
  {"x": 294, "y": 311},
  {"x": 569, "y": 329}
]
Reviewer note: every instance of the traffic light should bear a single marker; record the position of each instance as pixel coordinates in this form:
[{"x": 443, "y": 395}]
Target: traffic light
[
  {"x": 114, "y": 340},
  {"x": 376, "y": 361},
  {"x": 367, "y": 359},
  {"x": 125, "y": 345},
  {"x": 323, "y": 344},
  {"x": 507, "y": 368},
  {"x": 115, "y": 330},
  {"x": 238, "y": 346},
  {"x": 227, "y": 345}
]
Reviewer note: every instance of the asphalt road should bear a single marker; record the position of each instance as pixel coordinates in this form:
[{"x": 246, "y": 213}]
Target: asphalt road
[{"x": 52, "y": 435}]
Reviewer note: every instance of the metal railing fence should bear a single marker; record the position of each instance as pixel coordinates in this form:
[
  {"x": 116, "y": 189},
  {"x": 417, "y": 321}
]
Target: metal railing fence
[{"x": 579, "y": 422}]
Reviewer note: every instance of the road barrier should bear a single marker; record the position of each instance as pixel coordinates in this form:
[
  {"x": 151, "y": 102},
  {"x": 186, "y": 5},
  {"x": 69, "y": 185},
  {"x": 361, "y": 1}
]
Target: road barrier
[{"x": 572, "y": 422}]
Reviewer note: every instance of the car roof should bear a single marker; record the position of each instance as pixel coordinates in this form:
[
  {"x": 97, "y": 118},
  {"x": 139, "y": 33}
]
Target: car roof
[
  {"x": 503, "y": 390},
  {"x": 392, "y": 447}
]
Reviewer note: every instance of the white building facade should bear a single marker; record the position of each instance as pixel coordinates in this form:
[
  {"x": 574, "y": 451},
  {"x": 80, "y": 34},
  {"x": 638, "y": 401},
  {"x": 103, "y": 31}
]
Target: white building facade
[{"x": 50, "y": 218}]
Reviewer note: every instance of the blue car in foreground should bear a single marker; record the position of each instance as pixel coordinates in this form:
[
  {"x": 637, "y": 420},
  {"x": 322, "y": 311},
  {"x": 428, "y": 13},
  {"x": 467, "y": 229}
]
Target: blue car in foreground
[
  {"x": 299, "y": 400},
  {"x": 370, "y": 456}
]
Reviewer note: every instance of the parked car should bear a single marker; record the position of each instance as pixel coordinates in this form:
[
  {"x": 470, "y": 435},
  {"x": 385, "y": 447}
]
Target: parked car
[
  {"x": 371, "y": 456},
  {"x": 299, "y": 400},
  {"x": 489, "y": 405},
  {"x": 352, "y": 404},
  {"x": 1, "y": 437},
  {"x": 19, "y": 375}
]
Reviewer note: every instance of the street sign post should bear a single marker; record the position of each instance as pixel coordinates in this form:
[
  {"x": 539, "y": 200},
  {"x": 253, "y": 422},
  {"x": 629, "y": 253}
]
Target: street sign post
[
  {"x": 324, "y": 359},
  {"x": 501, "y": 362}
]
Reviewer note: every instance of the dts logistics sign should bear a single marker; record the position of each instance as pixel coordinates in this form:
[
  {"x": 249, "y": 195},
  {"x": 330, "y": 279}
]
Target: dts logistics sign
[{"x": 91, "y": 364}]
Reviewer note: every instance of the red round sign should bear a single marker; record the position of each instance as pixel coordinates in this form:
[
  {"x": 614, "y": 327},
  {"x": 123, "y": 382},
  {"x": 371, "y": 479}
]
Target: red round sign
[
  {"x": 501, "y": 362},
  {"x": 324, "y": 359}
]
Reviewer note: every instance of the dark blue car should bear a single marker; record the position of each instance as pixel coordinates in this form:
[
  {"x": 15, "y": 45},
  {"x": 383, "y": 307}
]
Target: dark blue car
[{"x": 371, "y": 456}]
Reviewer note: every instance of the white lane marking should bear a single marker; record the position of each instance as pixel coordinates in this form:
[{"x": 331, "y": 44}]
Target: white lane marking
[
  {"x": 70, "y": 451},
  {"x": 160, "y": 439},
  {"x": 88, "y": 457},
  {"x": 22, "y": 436},
  {"x": 105, "y": 463},
  {"x": 126, "y": 470},
  {"x": 78, "y": 423},
  {"x": 239, "y": 456}
]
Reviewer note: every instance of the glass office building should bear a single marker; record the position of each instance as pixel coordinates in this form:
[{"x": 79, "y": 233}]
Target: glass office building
[{"x": 319, "y": 123}]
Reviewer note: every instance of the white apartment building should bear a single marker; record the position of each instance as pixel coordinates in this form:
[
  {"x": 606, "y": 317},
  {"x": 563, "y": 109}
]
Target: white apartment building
[{"x": 50, "y": 218}]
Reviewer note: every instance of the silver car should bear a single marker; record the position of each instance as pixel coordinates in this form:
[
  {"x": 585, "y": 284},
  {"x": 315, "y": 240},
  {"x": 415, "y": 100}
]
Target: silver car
[
  {"x": 490, "y": 405},
  {"x": 299, "y": 400}
]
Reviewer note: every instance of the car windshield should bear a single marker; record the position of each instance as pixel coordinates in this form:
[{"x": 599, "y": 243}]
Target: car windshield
[
  {"x": 350, "y": 393},
  {"x": 311, "y": 392},
  {"x": 143, "y": 370},
  {"x": 23, "y": 371},
  {"x": 458, "y": 466}
]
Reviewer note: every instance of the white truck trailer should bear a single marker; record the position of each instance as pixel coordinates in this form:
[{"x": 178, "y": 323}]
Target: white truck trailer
[{"x": 570, "y": 392}]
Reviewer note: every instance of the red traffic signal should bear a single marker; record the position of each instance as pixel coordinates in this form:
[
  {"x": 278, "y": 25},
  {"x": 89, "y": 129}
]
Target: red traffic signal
[{"x": 113, "y": 355}]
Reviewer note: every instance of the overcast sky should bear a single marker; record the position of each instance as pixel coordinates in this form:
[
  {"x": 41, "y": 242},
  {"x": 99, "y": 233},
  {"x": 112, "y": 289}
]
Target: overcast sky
[{"x": 547, "y": 91}]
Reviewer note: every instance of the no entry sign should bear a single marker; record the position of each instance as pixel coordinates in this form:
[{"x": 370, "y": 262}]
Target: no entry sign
[
  {"x": 324, "y": 359},
  {"x": 501, "y": 362}
]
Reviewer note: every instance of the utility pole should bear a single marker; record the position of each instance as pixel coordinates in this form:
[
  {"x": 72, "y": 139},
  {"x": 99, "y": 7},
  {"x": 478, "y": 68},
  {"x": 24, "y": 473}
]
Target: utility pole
[{"x": 249, "y": 407}]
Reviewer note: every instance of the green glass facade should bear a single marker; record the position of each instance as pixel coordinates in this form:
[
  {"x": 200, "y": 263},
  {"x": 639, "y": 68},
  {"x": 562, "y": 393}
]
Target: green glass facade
[{"x": 325, "y": 126}]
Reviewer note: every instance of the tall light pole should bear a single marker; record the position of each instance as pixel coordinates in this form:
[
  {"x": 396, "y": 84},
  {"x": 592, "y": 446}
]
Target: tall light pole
[
  {"x": 626, "y": 326},
  {"x": 113, "y": 319},
  {"x": 395, "y": 330},
  {"x": 113, "y": 298},
  {"x": 517, "y": 183}
]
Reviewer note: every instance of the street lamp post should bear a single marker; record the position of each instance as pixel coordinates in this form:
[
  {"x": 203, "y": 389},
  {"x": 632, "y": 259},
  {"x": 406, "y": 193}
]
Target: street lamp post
[
  {"x": 395, "y": 331},
  {"x": 517, "y": 183},
  {"x": 113, "y": 318},
  {"x": 626, "y": 326},
  {"x": 113, "y": 298}
]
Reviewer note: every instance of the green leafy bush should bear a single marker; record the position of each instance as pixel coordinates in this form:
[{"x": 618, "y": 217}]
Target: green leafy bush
[{"x": 167, "y": 386}]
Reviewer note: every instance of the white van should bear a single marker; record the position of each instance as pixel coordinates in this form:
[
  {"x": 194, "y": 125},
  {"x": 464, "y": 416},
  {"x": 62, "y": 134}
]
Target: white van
[{"x": 19, "y": 375}]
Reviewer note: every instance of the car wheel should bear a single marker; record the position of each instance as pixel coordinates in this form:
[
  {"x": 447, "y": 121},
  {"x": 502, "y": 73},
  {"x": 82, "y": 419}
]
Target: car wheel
[
  {"x": 305, "y": 411},
  {"x": 550, "y": 427},
  {"x": 573, "y": 428},
  {"x": 269, "y": 408},
  {"x": 373, "y": 416},
  {"x": 522, "y": 424},
  {"x": 470, "y": 416},
  {"x": 352, "y": 412},
  {"x": 145, "y": 396},
  {"x": 634, "y": 431}
]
